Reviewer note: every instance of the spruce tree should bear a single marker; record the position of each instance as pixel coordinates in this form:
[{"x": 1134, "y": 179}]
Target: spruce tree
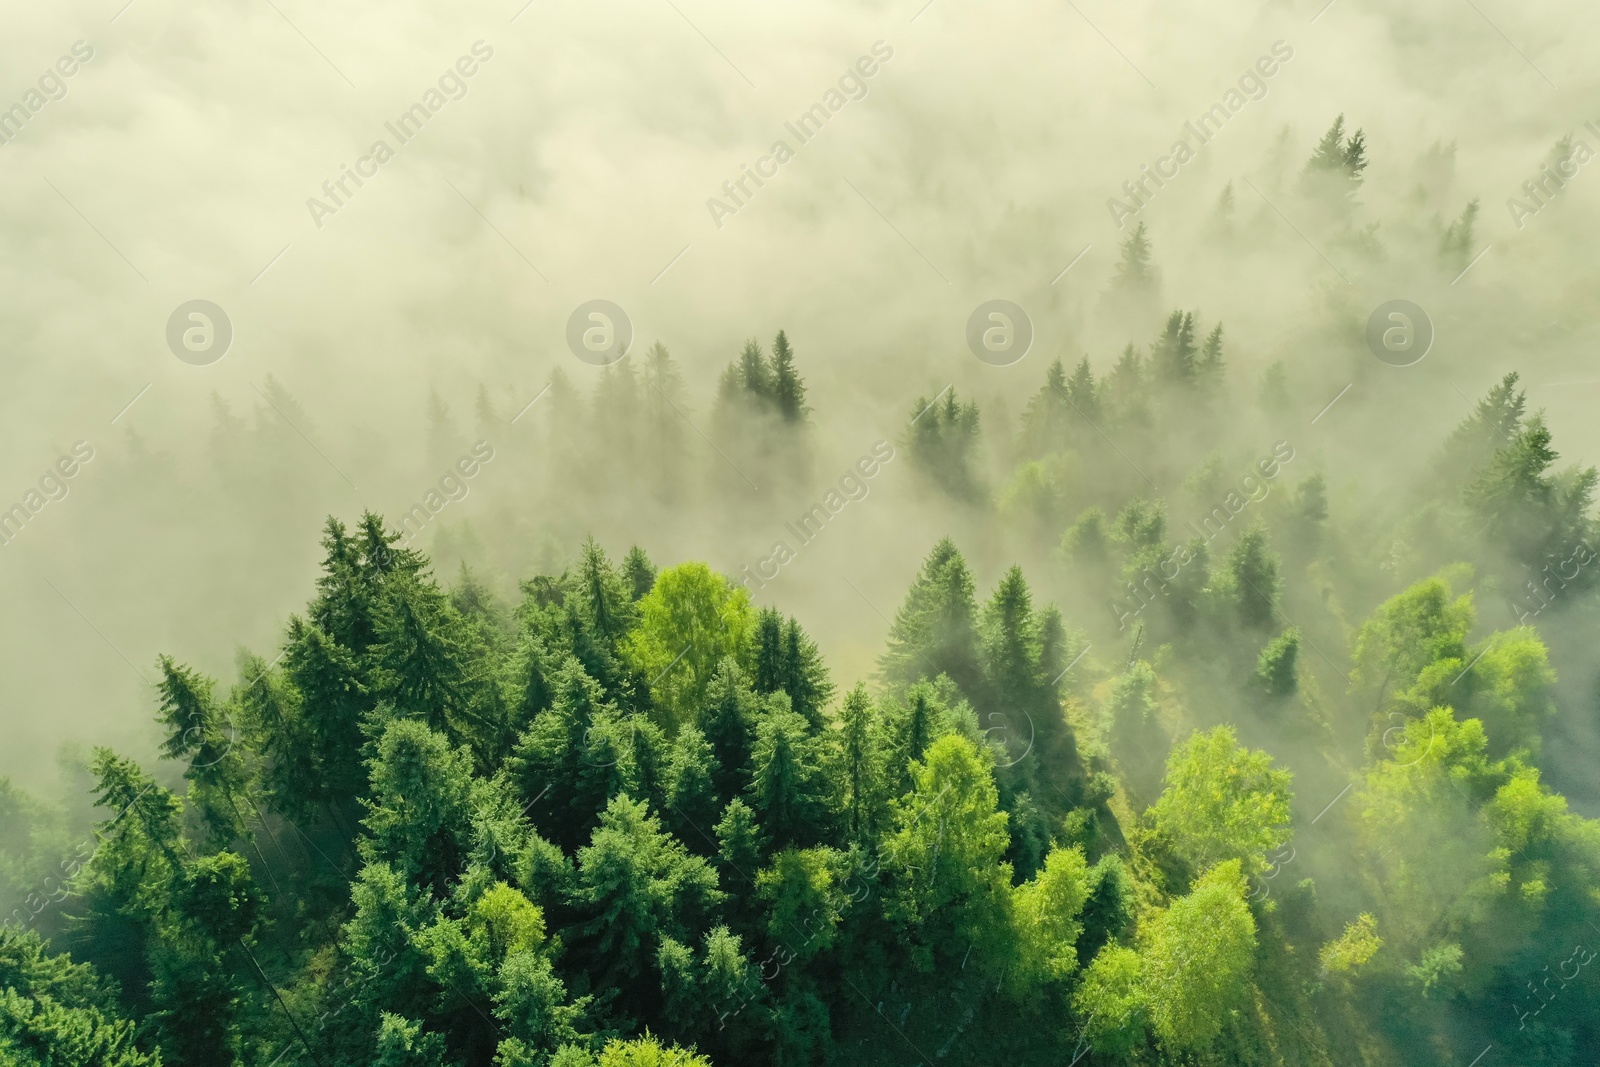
[
  {"x": 204, "y": 735},
  {"x": 788, "y": 389},
  {"x": 1082, "y": 391},
  {"x": 1134, "y": 271},
  {"x": 934, "y": 631},
  {"x": 729, "y": 725},
  {"x": 638, "y": 572},
  {"x": 1254, "y": 569},
  {"x": 859, "y": 762}
]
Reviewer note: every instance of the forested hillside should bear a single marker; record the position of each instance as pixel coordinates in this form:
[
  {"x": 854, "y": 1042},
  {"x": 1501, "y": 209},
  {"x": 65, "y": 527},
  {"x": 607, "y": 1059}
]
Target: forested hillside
[{"x": 1237, "y": 764}]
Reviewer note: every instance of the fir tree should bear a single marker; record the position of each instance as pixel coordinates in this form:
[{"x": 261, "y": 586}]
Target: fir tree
[
  {"x": 788, "y": 390},
  {"x": 934, "y": 632},
  {"x": 638, "y": 572},
  {"x": 1334, "y": 171},
  {"x": 1254, "y": 569},
  {"x": 1134, "y": 271}
]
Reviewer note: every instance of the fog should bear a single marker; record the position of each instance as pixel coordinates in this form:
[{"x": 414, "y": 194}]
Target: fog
[{"x": 576, "y": 163}]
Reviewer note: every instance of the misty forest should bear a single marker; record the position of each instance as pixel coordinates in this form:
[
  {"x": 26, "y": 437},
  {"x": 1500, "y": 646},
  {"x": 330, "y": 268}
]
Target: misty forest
[{"x": 1207, "y": 679}]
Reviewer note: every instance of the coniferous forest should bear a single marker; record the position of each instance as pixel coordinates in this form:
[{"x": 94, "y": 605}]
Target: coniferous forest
[{"x": 1204, "y": 733}]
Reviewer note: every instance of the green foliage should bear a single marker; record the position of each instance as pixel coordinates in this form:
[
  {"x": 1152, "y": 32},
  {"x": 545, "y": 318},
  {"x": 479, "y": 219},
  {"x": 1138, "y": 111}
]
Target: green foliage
[
  {"x": 636, "y": 882},
  {"x": 1253, "y": 568},
  {"x": 1111, "y": 1000},
  {"x": 1135, "y": 734},
  {"x": 787, "y": 660},
  {"x": 1413, "y": 630},
  {"x": 648, "y": 1052},
  {"x": 1196, "y": 958},
  {"x": 1351, "y": 950},
  {"x": 1222, "y": 802},
  {"x": 1046, "y": 912},
  {"x": 628, "y": 808},
  {"x": 689, "y": 622},
  {"x": 950, "y": 886},
  {"x": 1275, "y": 667},
  {"x": 56, "y": 1012},
  {"x": 1334, "y": 171},
  {"x": 943, "y": 441},
  {"x": 1437, "y": 969}
]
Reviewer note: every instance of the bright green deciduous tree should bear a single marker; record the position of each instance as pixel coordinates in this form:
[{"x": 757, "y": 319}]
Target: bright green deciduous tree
[
  {"x": 950, "y": 886},
  {"x": 1222, "y": 802},
  {"x": 690, "y": 621},
  {"x": 1196, "y": 959},
  {"x": 1046, "y": 915}
]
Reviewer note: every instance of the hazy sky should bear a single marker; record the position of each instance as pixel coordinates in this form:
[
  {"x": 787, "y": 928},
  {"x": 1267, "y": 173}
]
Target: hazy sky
[{"x": 576, "y": 161}]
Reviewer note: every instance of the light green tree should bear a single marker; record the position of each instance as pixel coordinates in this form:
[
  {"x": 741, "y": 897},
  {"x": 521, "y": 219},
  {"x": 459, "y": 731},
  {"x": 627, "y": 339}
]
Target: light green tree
[{"x": 1222, "y": 801}]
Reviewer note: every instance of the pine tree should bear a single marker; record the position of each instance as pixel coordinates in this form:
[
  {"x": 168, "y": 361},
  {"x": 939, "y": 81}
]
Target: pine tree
[
  {"x": 755, "y": 374},
  {"x": 1047, "y": 421},
  {"x": 202, "y": 734},
  {"x": 607, "y": 594},
  {"x": 788, "y": 389},
  {"x": 422, "y": 667},
  {"x": 333, "y": 699},
  {"x": 1209, "y": 369},
  {"x": 785, "y": 787},
  {"x": 490, "y": 421},
  {"x": 1134, "y": 731},
  {"x": 1125, "y": 388},
  {"x": 934, "y": 632},
  {"x": 1334, "y": 171},
  {"x": 546, "y": 764},
  {"x": 636, "y": 884},
  {"x": 805, "y": 676},
  {"x": 729, "y": 724},
  {"x": 914, "y": 730},
  {"x": 859, "y": 763},
  {"x": 767, "y": 672},
  {"x": 638, "y": 572},
  {"x": 1134, "y": 271},
  {"x": 692, "y": 773},
  {"x": 1254, "y": 568},
  {"x": 942, "y": 440},
  {"x": 1495, "y": 420},
  {"x": 1275, "y": 668},
  {"x": 419, "y": 815},
  {"x": 1173, "y": 355},
  {"x": 1082, "y": 393},
  {"x": 1457, "y": 242},
  {"x": 1010, "y": 647},
  {"x": 57, "y": 1011}
]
